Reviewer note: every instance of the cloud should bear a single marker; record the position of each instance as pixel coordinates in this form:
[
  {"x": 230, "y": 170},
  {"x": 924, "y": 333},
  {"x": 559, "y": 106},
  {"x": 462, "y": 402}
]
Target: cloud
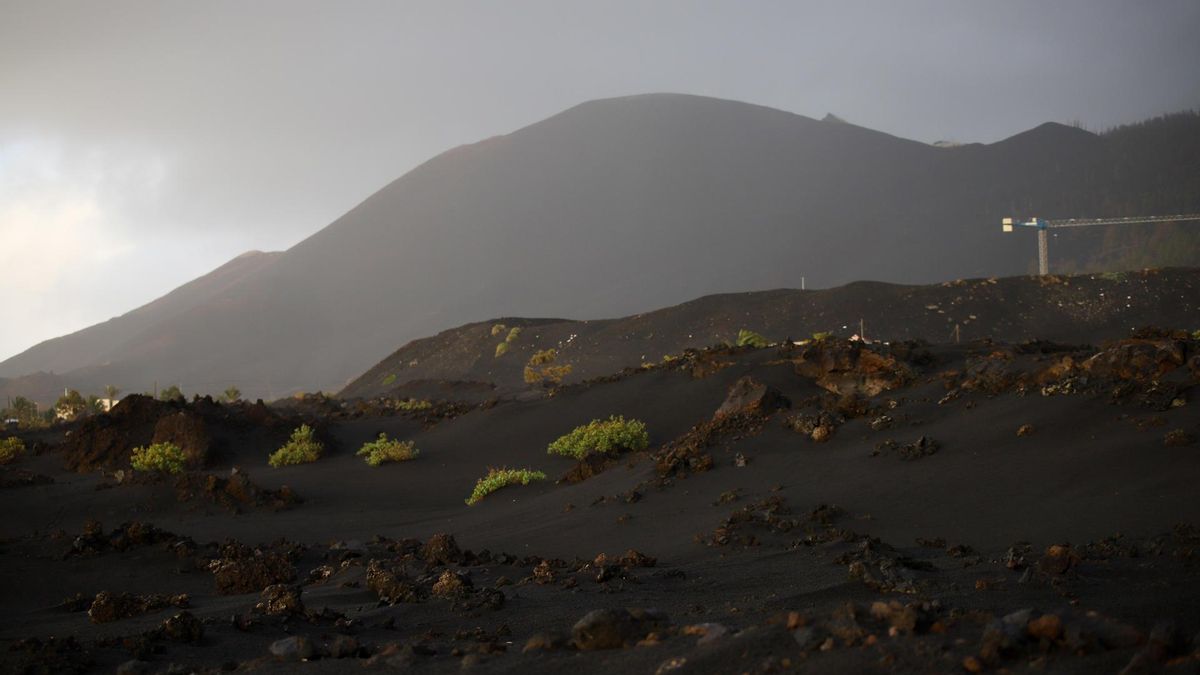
[{"x": 64, "y": 232}]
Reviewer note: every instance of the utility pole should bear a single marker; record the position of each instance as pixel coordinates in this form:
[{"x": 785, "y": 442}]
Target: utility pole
[{"x": 1042, "y": 225}]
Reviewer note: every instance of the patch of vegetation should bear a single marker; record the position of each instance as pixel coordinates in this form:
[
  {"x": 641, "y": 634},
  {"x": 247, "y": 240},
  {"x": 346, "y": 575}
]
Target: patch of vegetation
[
  {"x": 383, "y": 450},
  {"x": 413, "y": 405},
  {"x": 232, "y": 395},
  {"x": 11, "y": 449},
  {"x": 611, "y": 436},
  {"x": 502, "y": 477},
  {"x": 822, "y": 336},
  {"x": 171, "y": 393},
  {"x": 165, "y": 458},
  {"x": 543, "y": 369},
  {"x": 70, "y": 405},
  {"x": 513, "y": 335},
  {"x": 389, "y": 380},
  {"x": 748, "y": 338},
  {"x": 498, "y": 329},
  {"x": 501, "y": 349},
  {"x": 301, "y": 448}
]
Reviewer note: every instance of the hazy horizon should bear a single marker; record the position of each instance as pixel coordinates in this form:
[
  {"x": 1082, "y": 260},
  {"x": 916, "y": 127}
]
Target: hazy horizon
[{"x": 144, "y": 144}]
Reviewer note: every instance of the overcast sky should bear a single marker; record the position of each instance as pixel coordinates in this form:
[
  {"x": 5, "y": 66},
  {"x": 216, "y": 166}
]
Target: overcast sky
[{"x": 144, "y": 143}]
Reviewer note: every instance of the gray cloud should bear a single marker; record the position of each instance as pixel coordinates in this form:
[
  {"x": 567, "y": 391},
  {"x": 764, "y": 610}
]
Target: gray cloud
[{"x": 143, "y": 143}]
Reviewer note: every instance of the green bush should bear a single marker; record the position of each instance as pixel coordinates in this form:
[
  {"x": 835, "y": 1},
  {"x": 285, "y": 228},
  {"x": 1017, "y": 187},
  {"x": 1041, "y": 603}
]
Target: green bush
[
  {"x": 383, "y": 450},
  {"x": 498, "y": 478},
  {"x": 609, "y": 436},
  {"x": 11, "y": 449},
  {"x": 159, "y": 457},
  {"x": 413, "y": 405},
  {"x": 301, "y": 448},
  {"x": 501, "y": 349},
  {"x": 748, "y": 338},
  {"x": 389, "y": 380},
  {"x": 498, "y": 329},
  {"x": 513, "y": 335}
]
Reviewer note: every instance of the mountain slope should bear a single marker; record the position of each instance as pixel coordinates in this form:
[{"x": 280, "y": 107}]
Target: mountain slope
[
  {"x": 613, "y": 206},
  {"x": 1072, "y": 310}
]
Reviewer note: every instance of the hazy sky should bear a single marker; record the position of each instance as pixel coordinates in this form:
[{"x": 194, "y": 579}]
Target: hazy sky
[{"x": 144, "y": 143}]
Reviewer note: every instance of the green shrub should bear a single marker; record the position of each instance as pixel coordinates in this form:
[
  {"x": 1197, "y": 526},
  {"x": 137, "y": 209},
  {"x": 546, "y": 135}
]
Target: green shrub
[
  {"x": 498, "y": 478},
  {"x": 609, "y": 436},
  {"x": 383, "y": 450},
  {"x": 159, "y": 458},
  {"x": 301, "y": 448},
  {"x": 389, "y": 380},
  {"x": 413, "y": 405},
  {"x": 748, "y": 338},
  {"x": 501, "y": 349},
  {"x": 498, "y": 329},
  {"x": 11, "y": 449},
  {"x": 513, "y": 335},
  {"x": 541, "y": 368}
]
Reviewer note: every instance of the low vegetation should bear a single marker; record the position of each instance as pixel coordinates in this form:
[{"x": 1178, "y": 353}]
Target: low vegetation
[
  {"x": 748, "y": 338},
  {"x": 413, "y": 405},
  {"x": 543, "y": 368},
  {"x": 165, "y": 458},
  {"x": 383, "y": 450},
  {"x": 11, "y": 449},
  {"x": 609, "y": 437},
  {"x": 301, "y": 448},
  {"x": 502, "y": 477}
]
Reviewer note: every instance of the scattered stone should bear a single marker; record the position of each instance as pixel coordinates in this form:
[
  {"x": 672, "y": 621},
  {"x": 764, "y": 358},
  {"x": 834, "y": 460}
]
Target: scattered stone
[
  {"x": 183, "y": 627},
  {"x": 749, "y": 396},
  {"x": 107, "y": 607},
  {"x": 545, "y": 642},
  {"x": 344, "y": 647},
  {"x": 280, "y": 600},
  {"x": 391, "y": 584},
  {"x": 295, "y": 648},
  {"x": 452, "y": 585},
  {"x": 250, "y": 571},
  {"x": 1025, "y": 430},
  {"x": 615, "y": 628},
  {"x": 1177, "y": 438},
  {"x": 441, "y": 549},
  {"x": 1058, "y": 560},
  {"x": 1046, "y": 627}
]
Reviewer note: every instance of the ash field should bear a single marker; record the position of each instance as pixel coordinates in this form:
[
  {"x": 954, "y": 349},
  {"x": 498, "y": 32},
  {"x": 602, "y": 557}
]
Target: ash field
[{"x": 1010, "y": 502}]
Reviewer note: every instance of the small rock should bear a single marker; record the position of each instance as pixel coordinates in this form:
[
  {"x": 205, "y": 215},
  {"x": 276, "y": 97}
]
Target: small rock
[
  {"x": 544, "y": 642},
  {"x": 1058, "y": 560},
  {"x": 1025, "y": 430},
  {"x": 441, "y": 549},
  {"x": 183, "y": 627},
  {"x": 133, "y": 667},
  {"x": 344, "y": 647},
  {"x": 280, "y": 600},
  {"x": 295, "y": 648},
  {"x": 1046, "y": 627},
  {"x": 615, "y": 628},
  {"x": 972, "y": 665}
]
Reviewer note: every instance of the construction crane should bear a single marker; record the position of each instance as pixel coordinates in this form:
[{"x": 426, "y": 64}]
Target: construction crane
[{"x": 1042, "y": 225}]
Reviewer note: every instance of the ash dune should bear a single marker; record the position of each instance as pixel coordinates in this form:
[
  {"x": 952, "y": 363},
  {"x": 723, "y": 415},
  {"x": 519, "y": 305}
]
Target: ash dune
[{"x": 621, "y": 204}]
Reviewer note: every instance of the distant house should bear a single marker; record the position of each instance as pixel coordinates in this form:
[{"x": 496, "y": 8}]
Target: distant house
[{"x": 106, "y": 404}]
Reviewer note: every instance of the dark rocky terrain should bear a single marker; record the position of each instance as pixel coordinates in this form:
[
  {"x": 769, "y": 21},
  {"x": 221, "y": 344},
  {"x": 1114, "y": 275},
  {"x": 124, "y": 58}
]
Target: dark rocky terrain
[
  {"x": 1069, "y": 309},
  {"x": 617, "y": 205},
  {"x": 988, "y": 506}
]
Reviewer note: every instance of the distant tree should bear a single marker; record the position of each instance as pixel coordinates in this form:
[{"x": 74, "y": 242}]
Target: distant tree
[
  {"x": 94, "y": 405},
  {"x": 24, "y": 410},
  {"x": 171, "y": 393},
  {"x": 232, "y": 394},
  {"x": 70, "y": 405}
]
